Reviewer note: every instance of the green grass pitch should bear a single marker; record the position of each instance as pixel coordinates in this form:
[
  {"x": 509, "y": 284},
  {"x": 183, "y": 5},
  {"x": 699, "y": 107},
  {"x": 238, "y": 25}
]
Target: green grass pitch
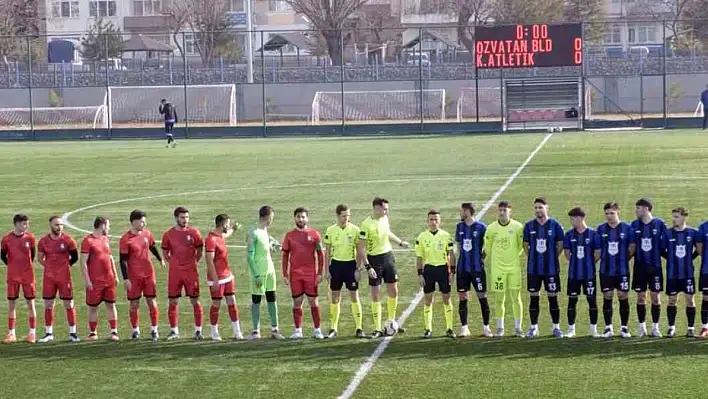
[{"x": 415, "y": 173}]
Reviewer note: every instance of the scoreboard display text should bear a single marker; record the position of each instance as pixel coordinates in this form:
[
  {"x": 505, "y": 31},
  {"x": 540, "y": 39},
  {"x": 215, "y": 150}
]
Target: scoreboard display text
[{"x": 528, "y": 46}]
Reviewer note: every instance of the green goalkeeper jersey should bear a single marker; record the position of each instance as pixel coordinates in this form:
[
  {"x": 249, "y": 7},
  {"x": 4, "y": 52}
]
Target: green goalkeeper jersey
[
  {"x": 503, "y": 245},
  {"x": 259, "y": 260}
]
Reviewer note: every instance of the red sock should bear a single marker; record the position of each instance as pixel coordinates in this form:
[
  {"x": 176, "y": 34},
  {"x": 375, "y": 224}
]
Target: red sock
[
  {"x": 198, "y": 314},
  {"x": 154, "y": 315},
  {"x": 11, "y": 322},
  {"x": 71, "y": 316},
  {"x": 32, "y": 322},
  {"x": 297, "y": 317},
  {"x": 49, "y": 317},
  {"x": 113, "y": 324},
  {"x": 214, "y": 315},
  {"x": 92, "y": 326},
  {"x": 233, "y": 312},
  {"x": 315, "y": 316},
  {"x": 134, "y": 318},
  {"x": 172, "y": 315}
]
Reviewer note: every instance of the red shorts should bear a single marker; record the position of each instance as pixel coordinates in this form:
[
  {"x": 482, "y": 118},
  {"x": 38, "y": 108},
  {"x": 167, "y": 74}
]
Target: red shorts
[
  {"x": 189, "y": 280},
  {"x": 105, "y": 293},
  {"x": 144, "y": 286},
  {"x": 29, "y": 290},
  {"x": 50, "y": 287},
  {"x": 223, "y": 290},
  {"x": 305, "y": 285}
]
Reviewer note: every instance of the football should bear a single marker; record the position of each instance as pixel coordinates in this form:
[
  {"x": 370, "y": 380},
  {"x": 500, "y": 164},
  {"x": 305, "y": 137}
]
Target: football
[{"x": 391, "y": 327}]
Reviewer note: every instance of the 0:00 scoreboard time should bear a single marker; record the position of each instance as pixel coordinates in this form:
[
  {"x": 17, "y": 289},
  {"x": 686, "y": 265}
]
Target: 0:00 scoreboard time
[{"x": 528, "y": 46}]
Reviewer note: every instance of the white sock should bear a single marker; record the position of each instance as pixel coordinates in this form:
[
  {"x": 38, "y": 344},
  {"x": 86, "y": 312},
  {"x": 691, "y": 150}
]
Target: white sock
[
  {"x": 691, "y": 328},
  {"x": 11, "y": 332},
  {"x": 609, "y": 327},
  {"x": 49, "y": 330},
  {"x": 175, "y": 330},
  {"x": 298, "y": 330},
  {"x": 197, "y": 329},
  {"x": 500, "y": 324},
  {"x": 571, "y": 327},
  {"x": 316, "y": 329},
  {"x": 214, "y": 329},
  {"x": 556, "y": 326},
  {"x": 705, "y": 326},
  {"x": 153, "y": 329},
  {"x": 32, "y": 331},
  {"x": 643, "y": 325},
  {"x": 517, "y": 324},
  {"x": 534, "y": 326},
  {"x": 137, "y": 330},
  {"x": 236, "y": 325},
  {"x": 655, "y": 325},
  {"x": 113, "y": 331},
  {"x": 72, "y": 329},
  {"x": 593, "y": 327}
]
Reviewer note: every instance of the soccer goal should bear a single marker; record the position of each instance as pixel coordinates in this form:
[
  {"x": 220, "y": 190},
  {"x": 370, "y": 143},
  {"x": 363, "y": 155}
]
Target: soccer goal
[
  {"x": 484, "y": 102},
  {"x": 380, "y": 106},
  {"x": 40, "y": 118},
  {"x": 137, "y": 106}
]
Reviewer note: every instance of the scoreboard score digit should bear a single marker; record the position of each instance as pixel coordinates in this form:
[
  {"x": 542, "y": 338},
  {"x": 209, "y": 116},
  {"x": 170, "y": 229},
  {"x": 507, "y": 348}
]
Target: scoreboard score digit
[{"x": 528, "y": 46}]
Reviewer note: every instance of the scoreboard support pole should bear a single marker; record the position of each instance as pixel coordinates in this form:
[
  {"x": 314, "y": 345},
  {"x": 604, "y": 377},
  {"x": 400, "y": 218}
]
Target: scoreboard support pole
[
  {"x": 583, "y": 104},
  {"x": 663, "y": 78},
  {"x": 476, "y": 94}
]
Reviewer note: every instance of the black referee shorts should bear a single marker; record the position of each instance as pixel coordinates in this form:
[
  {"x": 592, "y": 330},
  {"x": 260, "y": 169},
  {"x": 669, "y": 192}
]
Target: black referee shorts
[
  {"x": 342, "y": 273},
  {"x": 439, "y": 275}
]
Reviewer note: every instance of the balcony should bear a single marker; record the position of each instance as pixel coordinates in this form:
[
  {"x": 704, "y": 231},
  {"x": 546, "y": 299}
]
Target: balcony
[{"x": 152, "y": 23}]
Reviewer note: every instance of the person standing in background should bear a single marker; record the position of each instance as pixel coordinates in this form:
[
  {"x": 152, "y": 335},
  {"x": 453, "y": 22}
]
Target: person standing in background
[
  {"x": 170, "y": 112},
  {"x": 704, "y": 103}
]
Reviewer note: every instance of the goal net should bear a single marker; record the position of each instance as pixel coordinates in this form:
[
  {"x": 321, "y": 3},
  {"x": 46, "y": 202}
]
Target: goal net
[
  {"x": 87, "y": 117},
  {"x": 381, "y": 106},
  {"x": 137, "y": 106},
  {"x": 484, "y": 102}
]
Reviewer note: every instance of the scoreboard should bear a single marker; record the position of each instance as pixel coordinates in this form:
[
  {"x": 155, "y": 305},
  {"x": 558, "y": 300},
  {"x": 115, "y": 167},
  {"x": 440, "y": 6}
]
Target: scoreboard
[{"x": 528, "y": 46}]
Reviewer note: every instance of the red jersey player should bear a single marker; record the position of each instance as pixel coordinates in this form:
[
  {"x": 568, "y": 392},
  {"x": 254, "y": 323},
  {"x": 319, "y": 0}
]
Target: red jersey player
[
  {"x": 139, "y": 275},
  {"x": 100, "y": 277},
  {"x": 219, "y": 277},
  {"x": 57, "y": 252},
  {"x": 182, "y": 248},
  {"x": 17, "y": 251},
  {"x": 301, "y": 250}
]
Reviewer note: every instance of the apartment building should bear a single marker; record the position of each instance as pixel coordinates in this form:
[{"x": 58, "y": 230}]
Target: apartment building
[{"x": 630, "y": 26}]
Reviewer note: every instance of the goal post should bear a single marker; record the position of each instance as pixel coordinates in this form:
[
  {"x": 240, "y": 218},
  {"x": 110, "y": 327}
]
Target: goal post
[
  {"x": 483, "y": 102},
  {"x": 54, "y": 118},
  {"x": 378, "y": 106},
  {"x": 137, "y": 106}
]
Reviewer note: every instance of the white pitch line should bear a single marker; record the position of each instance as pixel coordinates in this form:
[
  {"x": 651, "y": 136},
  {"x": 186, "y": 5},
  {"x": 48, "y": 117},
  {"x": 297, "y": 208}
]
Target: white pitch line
[{"x": 366, "y": 367}]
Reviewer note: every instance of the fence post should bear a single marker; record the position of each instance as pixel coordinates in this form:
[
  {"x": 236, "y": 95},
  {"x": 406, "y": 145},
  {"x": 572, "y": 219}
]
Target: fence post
[
  {"x": 663, "y": 75},
  {"x": 341, "y": 75},
  {"x": 29, "y": 85},
  {"x": 108, "y": 91},
  {"x": 263, "y": 85},
  {"x": 583, "y": 104},
  {"x": 184, "y": 67}
]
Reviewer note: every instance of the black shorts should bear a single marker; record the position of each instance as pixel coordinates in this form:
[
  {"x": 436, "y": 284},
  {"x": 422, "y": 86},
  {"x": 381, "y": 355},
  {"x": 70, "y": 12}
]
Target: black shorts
[
  {"x": 169, "y": 126},
  {"x": 650, "y": 278},
  {"x": 611, "y": 283},
  {"x": 551, "y": 284},
  {"x": 703, "y": 282},
  {"x": 589, "y": 287},
  {"x": 467, "y": 280},
  {"x": 685, "y": 285},
  {"x": 342, "y": 274},
  {"x": 385, "y": 267},
  {"x": 439, "y": 275}
]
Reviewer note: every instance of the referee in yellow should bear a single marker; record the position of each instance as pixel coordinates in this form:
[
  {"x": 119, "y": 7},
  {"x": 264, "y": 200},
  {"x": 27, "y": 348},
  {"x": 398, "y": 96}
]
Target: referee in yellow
[
  {"x": 435, "y": 259},
  {"x": 340, "y": 241}
]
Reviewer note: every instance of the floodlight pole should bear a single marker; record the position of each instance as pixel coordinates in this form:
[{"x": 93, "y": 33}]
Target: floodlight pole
[{"x": 249, "y": 39}]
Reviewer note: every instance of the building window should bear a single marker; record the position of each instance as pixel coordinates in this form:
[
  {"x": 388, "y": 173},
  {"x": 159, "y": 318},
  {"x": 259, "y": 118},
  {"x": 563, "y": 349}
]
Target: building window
[
  {"x": 102, "y": 8},
  {"x": 190, "y": 44},
  {"x": 146, "y": 7},
  {"x": 278, "y": 6},
  {"x": 613, "y": 35},
  {"x": 65, "y": 9},
  {"x": 238, "y": 5}
]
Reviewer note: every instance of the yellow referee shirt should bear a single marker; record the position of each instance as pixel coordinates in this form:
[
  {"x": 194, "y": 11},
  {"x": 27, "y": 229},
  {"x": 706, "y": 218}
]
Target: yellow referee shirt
[
  {"x": 434, "y": 247},
  {"x": 342, "y": 242},
  {"x": 375, "y": 233}
]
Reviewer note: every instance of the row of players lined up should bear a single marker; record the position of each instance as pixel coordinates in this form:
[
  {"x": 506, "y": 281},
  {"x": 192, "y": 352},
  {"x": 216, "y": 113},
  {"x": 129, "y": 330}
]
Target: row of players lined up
[{"x": 303, "y": 260}]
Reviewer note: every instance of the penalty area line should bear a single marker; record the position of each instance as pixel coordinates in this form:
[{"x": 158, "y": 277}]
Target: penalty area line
[{"x": 367, "y": 366}]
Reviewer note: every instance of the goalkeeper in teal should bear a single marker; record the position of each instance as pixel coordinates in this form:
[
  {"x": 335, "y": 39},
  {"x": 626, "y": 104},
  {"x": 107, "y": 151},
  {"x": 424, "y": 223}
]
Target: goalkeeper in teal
[
  {"x": 262, "y": 270},
  {"x": 503, "y": 246}
]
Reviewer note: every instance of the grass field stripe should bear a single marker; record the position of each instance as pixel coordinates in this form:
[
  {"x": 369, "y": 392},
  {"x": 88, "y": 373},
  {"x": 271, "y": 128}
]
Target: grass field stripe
[{"x": 366, "y": 367}]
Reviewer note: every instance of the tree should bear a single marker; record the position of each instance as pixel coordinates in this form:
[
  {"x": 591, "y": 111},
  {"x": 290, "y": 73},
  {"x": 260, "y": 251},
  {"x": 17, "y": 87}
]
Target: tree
[
  {"x": 19, "y": 29},
  {"x": 211, "y": 29},
  {"x": 527, "y": 12},
  {"x": 592, "y": 14},
  {"x": 471, "y": 13},
  {"x": 673, "y": 13},
  {"x": 330, "y": 18},
  {"x": 102, "y": 41}
]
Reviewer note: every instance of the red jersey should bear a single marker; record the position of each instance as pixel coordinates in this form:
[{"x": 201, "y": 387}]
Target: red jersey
[
  {"x": 216, "y": 244},
  {"x": 100, "y": 266},
  {"x": 19, "y": 256},
  {"x": 299, "y": 248},
  {"x": 137, "y": 247},
  {"x": 183, "y": 246},
  {"x": 56, "y": 256}
]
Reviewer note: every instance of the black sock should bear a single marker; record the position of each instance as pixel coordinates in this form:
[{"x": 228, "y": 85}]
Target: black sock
[
  {"x": 624, "y": 312},
  {"x": 704, "y": 312},
  {"x": 534, "y": 309},
  {"x": 607, "y": 311},
  {"x": 554, "y": 309},
  {"x": 484, "y": 306},
  {"x": 656, "y": 313},
  {"x": 642, "y": 313},
  {"x": 592, "y": 305},
  {"x": 671, "y": 314},
  {"x": 462, "y": 309},
  {"x": 572, "y": 305},
  {"x": 691, "y": 316}
]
